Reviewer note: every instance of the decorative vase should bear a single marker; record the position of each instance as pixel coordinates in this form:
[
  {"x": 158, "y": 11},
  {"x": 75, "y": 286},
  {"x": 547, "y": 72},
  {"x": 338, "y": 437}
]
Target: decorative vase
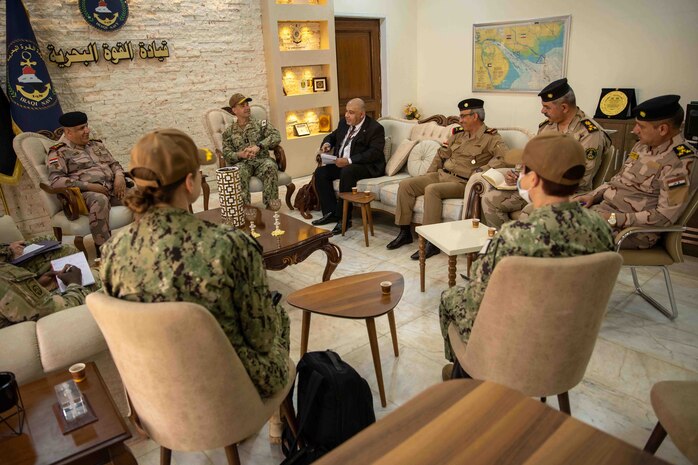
[{"x": 230, "y": 195}]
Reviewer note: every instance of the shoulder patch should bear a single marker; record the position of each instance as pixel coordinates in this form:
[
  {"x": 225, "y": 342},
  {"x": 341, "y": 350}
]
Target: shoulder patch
[
  {"x": 591, "y": 153},
  {"x": 57, "y": 146},
  {"x": 490, "y": 131},
  {"x": 543, "y": 123},
  {"x": 456, "y": 130},
  {"x": 264, "y": 123},
  {"x": 591, "y": 127},
  {"x": 683, "y": 149}
]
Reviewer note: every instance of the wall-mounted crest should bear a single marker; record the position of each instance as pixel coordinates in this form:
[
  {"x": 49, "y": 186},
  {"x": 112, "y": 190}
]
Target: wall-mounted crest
[{"x": 106, "y": 15}]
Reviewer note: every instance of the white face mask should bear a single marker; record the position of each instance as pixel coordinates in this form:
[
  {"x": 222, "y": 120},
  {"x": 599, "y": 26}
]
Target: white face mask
[{"x": 522, "y": 192}]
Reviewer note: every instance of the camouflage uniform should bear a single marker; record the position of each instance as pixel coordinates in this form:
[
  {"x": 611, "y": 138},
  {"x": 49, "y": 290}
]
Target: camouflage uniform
[
  {"x": 23, "y": 298},
  {"x": 39, "y": 264},
  {"x": 561, "y": 230},
  {"x": 170, "y": 255},
  {"x": 652, "y": 189},
  {"x": 72, "y": 165},
  {"x": 266, "y": 137},
  {"x": 449, "y": 172},
  {"x": 497, "y": 204}
]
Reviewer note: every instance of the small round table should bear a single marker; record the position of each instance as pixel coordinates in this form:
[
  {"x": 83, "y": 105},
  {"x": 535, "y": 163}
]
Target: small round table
[
  {"x": 355, "y": 297},
  {"x": 364, "y": 200}
]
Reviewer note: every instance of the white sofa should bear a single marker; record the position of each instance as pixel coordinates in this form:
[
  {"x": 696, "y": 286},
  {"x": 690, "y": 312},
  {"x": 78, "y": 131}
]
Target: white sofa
[{"x": 430, "y": 133}]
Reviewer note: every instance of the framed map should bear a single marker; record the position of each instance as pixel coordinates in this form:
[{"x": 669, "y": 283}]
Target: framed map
[{"x": 519, "y": 56}]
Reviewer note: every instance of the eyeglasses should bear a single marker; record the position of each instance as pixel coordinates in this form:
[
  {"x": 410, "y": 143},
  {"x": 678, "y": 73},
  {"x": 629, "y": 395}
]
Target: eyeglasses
[{"x": 466, "y": 114}]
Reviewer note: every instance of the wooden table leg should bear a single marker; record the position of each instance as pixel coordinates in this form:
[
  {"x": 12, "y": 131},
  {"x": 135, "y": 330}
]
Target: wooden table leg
[
  {"x": 452, "y": 270},
  {"x": 305, "y": 332},
  {"x": 422, "y": 261},
  {"x": 370, "y": 218},
  {"x": 470, "y": 258},
  {"x": 334, "y": 256},
  {"x": 375, "y": 352},
  {"x": 364, "y": 221},
  {"x": 119, "y": 454},
  {"x": 393, "y": 332},
  {"x": 344, "y": 216}
]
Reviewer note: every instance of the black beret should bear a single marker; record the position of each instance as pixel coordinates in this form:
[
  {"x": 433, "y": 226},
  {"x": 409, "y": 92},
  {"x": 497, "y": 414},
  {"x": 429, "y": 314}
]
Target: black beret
[
  {"x": 72, "y": 119},
  {"x": 658, "y": 108},
  {"x": 470, "y": 104},
  {"x": 554, "y": 90}
]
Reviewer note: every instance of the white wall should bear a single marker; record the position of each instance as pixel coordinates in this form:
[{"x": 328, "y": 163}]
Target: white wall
[
  {"x": 644, "y": 44},
  {"x": 399, "y": 36}
]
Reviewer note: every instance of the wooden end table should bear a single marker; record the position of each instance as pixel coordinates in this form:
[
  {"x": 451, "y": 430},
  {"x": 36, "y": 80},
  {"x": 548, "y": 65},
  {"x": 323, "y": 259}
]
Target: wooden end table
[
  {"x": 481, "y": 422},
  {"x": 42, "y": 441},
  {"x": 295, "y": 245},
  {"x": 364, "y": 201},
  {"x": 355, "y": 297},
  {"x": 453, "y": 238}
]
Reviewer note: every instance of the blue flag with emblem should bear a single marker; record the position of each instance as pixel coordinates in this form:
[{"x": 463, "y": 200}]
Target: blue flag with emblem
[{"x": 33, "y": 101}]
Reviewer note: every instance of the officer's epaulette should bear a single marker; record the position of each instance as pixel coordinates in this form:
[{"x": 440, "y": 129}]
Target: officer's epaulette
[
  {"x": 591, "y": 127},
  {"x": 490, "y": 131},
  {"x": 543, "y": 123},
  {"x": 57, "y": 146},
  {"x": 456, "y": 130},
  {"x": 683, "y": 149}
]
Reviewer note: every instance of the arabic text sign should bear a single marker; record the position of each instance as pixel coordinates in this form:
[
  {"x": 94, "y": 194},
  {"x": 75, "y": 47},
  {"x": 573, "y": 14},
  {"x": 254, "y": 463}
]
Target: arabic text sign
[{"x": 122, "y": 51}]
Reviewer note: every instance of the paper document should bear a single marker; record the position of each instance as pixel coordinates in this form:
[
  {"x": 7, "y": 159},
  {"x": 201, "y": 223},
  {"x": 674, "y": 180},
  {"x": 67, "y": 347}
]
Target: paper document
[
  {"x": 32, "y": 250},
  {"x": 496, "y": 179},
  {"x": 79, "y": 260},
  {"x": 327, "y": 159}
]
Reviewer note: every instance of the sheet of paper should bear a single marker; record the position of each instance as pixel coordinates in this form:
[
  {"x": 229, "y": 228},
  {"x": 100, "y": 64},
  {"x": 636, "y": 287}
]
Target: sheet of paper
[
  {"x": 31, "y": 248},
  {"x": 79, "y": 260},
  {"x": 327, "y": 159}
]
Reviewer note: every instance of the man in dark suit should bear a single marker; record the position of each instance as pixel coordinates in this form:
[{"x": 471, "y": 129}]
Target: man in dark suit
[{"x": 358, "y": 145}]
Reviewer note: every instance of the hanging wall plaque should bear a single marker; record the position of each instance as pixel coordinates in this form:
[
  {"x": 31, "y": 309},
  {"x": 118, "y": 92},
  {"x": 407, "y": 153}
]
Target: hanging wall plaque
[{"x": 105, "y": 15}]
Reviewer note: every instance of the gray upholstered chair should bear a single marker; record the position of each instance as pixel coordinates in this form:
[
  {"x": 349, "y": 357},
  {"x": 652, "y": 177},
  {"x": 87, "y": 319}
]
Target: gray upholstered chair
[
  {"x": 217, "y": 120},
  {"x": 185, "y": 382},
  {"x": 536, "y": 334},
  {"x": 32, "y": 149},
  {"x": 665, "y": 252},
  {"x": 676, "y": 405}
]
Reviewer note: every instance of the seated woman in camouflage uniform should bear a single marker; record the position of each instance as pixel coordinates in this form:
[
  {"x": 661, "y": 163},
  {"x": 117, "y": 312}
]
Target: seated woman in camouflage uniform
[{"x": 170, "y": 255}]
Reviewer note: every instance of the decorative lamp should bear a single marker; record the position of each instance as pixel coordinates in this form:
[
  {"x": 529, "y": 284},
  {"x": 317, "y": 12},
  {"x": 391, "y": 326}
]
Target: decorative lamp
[{"x": 230, "y": 196}]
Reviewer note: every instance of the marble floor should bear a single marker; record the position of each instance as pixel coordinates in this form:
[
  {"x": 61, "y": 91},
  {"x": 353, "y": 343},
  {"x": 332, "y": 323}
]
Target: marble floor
[{"x": 637, "y": 346}]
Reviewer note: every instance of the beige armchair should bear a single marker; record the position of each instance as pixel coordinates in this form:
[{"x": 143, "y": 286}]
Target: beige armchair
[
  {"x": 32, "y": 149},
  {"x": 536, "y": 335},
  {"x": 216, "y": 121},
  {"x": 185, "y": 382},
  {"x": 665, "y": 252},
  {"x": 676, "y": 405}
]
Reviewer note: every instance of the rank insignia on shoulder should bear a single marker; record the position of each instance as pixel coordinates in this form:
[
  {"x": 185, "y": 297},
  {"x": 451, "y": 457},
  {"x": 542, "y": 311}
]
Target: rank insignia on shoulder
[
  {"x": 682, "y": 149},
  {"x": 457, "y": 129},
  {"x": 591, "y": 153},
  {"x": 676, "y": 182},
  {"x": 591, "y": 127},
  {"x": 543, "y": 123},
  {"x": 57, "y": 146},
  {"x": 490, "y": 131},
  {"x": 634, "y": 155}
]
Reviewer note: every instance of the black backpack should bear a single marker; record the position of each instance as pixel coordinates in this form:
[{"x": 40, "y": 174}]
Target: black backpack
[{"x": 334, "y": 403}]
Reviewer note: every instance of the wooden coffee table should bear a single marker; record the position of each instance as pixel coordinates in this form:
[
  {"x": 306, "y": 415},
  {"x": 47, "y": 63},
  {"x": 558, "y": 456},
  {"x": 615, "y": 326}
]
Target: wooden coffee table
[
  {"x": 474, "y": 422},
  {"x": 354, "y": 297},
  {"x": 291, "y": 248},
  {"x": 453, "y": 238},
  {"x": 42, "y": 441},
  {"x": 364, "y": 202}
]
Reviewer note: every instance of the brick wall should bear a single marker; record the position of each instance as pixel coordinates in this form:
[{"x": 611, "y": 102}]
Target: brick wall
[{"x": 216, "y": 48}]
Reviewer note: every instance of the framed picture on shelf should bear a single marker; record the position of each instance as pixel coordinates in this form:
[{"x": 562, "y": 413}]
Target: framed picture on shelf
[
  {"x": 301, "y": 129},
  {"x": 324, "y": 123},
  {"x": 320, "y": 84}
]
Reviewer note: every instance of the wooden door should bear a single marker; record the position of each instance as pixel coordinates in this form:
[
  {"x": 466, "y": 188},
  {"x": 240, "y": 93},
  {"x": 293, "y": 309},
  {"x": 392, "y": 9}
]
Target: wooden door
[{"x": 358, "y": 63}]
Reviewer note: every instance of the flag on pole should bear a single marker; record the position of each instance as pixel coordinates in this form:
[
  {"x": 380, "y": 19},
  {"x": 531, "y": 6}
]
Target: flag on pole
[{"x": 33, "y": 102}]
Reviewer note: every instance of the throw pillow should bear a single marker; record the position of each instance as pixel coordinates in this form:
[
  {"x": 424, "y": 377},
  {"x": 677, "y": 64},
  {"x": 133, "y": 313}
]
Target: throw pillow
[
  {"x": 399, "y": 158},
  {"x": 421, "y": 156},
  {"x": 388, "y": 147}
]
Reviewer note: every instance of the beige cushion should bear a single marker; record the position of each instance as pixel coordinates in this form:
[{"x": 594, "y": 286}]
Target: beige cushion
[
  {"x": 19, "y": 351},
  {"x": 388, "y": 147},
  {"x": 676, "y": 406},
  {"x": 399, "y": 158},
  {"x": 8, "y": 230},
  {"x": 421, "y": 156}
]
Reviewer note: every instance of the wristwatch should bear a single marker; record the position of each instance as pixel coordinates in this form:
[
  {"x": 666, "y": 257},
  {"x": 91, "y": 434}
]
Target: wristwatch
[{"x": 612, "y": 219}]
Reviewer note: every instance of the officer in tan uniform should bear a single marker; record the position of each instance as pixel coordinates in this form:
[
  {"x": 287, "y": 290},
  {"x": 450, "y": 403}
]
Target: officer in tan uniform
[
  {"x": 563, "y": 116},
  {"x": 473, "y": 147},
  {"x": 657, "y": 180},
  {"x": 84, "y": 163}
]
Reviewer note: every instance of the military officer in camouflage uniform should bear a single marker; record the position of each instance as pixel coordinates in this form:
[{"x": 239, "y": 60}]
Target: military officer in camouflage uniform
[
  {"x": 246, "y": 144},
  {"x": 657, "y": 180},
  {"x": 563, "y": 116},
  {"x": 553, "y": 167},
  {"x": 84, "y": 163},
  {"x": 25, "y": 296},
  {"x": 170, "y": 255},
  {"x": 473, "y": 147}
]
